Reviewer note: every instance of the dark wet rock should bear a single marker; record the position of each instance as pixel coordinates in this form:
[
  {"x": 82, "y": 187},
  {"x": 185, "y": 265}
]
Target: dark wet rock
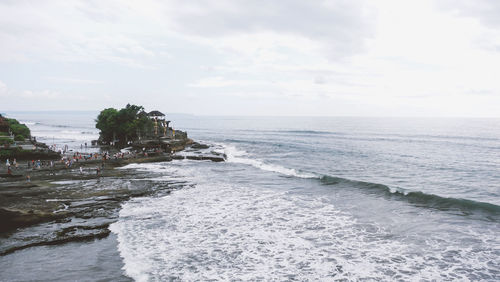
[
  {"x": 14, "y": 219},
  {"x": 51, "y": 213},
  {"x": 7, "y": 175},
  {"x": 43, "y": 154},
  {"x": 219, "y": 154},
  {"x": 198, "y": 146},
  {"x": 203, "y": 158},
  {"x": 62, "y": 205},
  {"x": 103, "y": 233}
]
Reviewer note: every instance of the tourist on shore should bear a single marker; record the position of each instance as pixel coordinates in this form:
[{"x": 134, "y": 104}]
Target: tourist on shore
[{"x": 28, "y": 178}]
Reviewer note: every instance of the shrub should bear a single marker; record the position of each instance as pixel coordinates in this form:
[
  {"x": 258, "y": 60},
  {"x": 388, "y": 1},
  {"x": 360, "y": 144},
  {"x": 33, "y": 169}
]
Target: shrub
[
  {"x": 19, "y": 137},
  {"x": 18, "y": 128},
  {"x": 4, "y": 141}
]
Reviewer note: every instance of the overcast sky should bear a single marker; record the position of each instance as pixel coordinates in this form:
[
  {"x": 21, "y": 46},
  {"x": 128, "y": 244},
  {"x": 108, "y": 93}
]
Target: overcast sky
[{"x": 228, "y": 57}]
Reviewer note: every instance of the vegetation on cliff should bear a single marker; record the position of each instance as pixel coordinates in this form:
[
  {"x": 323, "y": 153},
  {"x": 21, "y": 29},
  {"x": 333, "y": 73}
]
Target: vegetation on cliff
[
  {"x": 121, "y": 126},
  {"x": 10, "y": 126}
]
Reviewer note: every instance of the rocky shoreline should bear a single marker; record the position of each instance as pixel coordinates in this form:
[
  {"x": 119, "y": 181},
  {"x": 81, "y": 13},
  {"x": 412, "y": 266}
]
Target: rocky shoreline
[{"x": 61, "y": 204}]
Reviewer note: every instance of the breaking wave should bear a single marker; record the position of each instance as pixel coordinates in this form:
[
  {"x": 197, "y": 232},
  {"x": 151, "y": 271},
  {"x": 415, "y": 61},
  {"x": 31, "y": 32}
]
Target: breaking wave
[
  {"x": 237, "y": 156},
  {"x": 415, "y": 197},
  {"x": 419, "y": 198}
]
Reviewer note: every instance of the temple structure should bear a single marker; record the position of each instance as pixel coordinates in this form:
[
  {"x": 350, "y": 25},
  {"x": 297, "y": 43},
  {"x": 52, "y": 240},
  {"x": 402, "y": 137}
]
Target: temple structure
[
  {"x": 161, "y": 135},
  {"x": 161, "y": 126}
]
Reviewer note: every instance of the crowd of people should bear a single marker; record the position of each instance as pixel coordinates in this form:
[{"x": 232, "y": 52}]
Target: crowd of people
[{"x": 71, "y": 160}]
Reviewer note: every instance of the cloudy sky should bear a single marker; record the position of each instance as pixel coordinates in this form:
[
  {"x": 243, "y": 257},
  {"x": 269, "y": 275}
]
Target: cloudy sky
[{"x": 269, "y": 57}]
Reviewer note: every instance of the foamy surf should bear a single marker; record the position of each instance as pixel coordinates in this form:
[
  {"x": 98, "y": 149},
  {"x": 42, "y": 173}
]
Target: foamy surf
[
  {"x": 235, "y": 155},
  {"x": 223, "y": 231}
]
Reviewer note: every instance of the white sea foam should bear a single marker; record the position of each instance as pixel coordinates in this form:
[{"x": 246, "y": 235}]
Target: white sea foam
[
  {"x": 141, "y": 166},
  {"x": 66, "y": 182},
  {"x": 27, "y": 122},
  {"x": 65, "y": 136},
  {"x": 167, "y": 171},
  {"x": 65, "y": 207},
  {"x": 235, "y": 155},
  {"x": 224, "y": 233},
  {"x": 220, "y": 230},
  {"x": 57, "y": 200}
]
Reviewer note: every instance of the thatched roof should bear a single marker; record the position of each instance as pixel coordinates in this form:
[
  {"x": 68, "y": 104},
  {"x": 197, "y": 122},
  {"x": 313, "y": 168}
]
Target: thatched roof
[{"x": 156, "y": 114}]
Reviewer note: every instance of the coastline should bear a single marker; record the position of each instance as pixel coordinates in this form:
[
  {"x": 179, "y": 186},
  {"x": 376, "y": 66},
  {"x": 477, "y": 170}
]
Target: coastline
[
  {"x": 77, "y": 203},
  {"x": 201, "y": 214}
]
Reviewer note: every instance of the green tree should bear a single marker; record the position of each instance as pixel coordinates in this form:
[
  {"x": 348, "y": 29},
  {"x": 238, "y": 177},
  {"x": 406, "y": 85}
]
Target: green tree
[
  {"x": 123, "y": 125},
  {"x": 106, "y": 122}
]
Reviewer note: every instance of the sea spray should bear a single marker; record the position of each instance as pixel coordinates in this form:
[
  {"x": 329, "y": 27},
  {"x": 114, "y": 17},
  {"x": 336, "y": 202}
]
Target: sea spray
[{"x": 239, "y": 156}]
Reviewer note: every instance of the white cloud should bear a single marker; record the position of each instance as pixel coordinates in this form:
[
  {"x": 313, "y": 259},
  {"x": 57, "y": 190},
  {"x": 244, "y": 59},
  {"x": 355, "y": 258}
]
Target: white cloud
[
  {"x": 73, "y": 80},
  {"x": 14, "y": 99},
  {"x": 64, "y": 31},
  {"x": 398, "y": 56},
  {"x": 3, "y": 89},
  {"x": 11, "y": 95},
  {"x": 486, "y": 11}
]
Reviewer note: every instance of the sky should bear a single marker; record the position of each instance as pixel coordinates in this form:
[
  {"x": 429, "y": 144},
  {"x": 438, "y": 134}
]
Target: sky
[{"x": 257, "y": 57}]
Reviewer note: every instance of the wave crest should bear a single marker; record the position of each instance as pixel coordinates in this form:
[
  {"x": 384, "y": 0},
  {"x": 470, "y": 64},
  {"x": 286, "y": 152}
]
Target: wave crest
[
  {"x": 238, "y": 156},
  {"x": 419, "y": 198}
]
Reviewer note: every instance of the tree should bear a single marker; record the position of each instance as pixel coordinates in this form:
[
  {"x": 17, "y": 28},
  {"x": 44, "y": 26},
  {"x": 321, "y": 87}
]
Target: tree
[
  {"x": 106, "y": 122},
  {"x": 124, "y": 125}
]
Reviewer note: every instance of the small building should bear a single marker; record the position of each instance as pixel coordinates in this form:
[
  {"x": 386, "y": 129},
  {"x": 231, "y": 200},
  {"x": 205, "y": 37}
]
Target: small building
[{"x": 156, "y": 114}]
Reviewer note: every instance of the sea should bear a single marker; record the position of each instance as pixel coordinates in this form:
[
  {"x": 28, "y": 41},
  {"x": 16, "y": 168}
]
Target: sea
[{"x": 298, "y": 199}]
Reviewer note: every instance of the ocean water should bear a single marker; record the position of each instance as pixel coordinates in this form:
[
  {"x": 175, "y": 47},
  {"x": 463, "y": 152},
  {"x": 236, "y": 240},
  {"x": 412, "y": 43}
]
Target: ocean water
[{"x": 311, "y": 199}]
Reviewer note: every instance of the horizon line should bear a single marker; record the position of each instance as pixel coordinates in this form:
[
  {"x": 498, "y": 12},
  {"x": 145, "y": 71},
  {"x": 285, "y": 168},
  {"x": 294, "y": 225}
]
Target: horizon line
[{"x": 270, "y": 116}]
